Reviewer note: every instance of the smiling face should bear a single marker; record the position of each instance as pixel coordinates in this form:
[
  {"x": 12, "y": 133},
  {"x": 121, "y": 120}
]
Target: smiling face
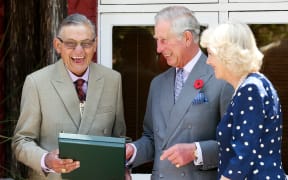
[
  {"x": 221, "y": 72},
  {"x": 173, "y": 48},
  {"x": 76, "y": 59}
]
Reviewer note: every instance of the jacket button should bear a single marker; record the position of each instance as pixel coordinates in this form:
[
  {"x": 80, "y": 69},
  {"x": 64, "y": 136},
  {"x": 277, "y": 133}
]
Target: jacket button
[{"x": 182, "y": 174}]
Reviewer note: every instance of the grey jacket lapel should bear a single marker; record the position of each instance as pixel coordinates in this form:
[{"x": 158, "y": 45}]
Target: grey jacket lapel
[
  {"x": 66, "y": 90},
  {"x": 167, "y": 95},
  {"x": 188, "y": 93}
]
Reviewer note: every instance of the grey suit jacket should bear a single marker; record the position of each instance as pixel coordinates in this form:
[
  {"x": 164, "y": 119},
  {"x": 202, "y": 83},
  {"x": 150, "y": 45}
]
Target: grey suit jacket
[
  {"x": 166, "y": 124},
  {"x": 50, "y": 105}
]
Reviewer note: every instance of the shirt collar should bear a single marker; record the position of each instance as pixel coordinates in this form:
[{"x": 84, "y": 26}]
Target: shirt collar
[
  {"x": 190, "y": 65},
  {"x": 74, "y": 77}
]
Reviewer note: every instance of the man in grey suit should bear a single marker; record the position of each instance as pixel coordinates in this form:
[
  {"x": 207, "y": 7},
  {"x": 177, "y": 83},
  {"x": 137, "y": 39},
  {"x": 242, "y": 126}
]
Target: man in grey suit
[
  {"x": 179, "y": 130},
  {"x": 50, "y": 104}
]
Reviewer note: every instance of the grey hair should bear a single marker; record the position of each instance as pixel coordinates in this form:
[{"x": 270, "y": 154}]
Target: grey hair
[
  {"x": 182, "y": 19},
  {"x": 77, "y": 19}
]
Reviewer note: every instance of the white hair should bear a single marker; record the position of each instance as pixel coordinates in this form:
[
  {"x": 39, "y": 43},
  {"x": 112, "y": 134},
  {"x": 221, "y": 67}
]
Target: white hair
[
  {"x": 182, "y": 19},
  {"x": 234, "y": 44}
]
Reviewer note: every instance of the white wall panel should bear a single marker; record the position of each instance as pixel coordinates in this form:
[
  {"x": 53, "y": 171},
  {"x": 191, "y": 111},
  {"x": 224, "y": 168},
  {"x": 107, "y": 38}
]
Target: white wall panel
[
  {"x": 258, "y": 1},
  {"x": 155, "y": 1},
  {"x": 264, "y": 17}
]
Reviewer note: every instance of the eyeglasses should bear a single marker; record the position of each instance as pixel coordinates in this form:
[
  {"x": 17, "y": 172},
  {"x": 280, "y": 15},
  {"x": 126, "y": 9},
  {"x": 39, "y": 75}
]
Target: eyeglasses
[{"x": 71, "y": 44}]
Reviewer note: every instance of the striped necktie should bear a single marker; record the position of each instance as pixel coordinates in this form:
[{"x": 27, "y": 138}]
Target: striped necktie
[{"x": 179, "y": 83}]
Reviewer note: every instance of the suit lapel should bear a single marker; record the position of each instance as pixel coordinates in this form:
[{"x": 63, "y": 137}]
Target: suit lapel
[
  {"x": 167, "y": 95},
  {"x": 95, "y": 88},
  {"x": 188, "y": 93},
  {"x": 66, "y": 90}
]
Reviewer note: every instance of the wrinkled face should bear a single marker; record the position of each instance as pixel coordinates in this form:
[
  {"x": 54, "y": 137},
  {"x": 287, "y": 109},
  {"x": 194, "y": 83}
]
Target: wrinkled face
[
  {"x": 217, "y": 65},
  {"x": 169, "y": 45},
  {"x": 76, "y": 46}
]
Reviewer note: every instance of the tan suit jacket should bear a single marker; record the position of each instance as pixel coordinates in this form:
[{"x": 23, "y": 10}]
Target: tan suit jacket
[{"x": 50, "y": 105}]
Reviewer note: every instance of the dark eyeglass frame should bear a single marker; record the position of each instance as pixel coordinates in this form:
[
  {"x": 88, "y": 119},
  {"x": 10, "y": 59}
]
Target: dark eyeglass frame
[{"x": 71, "y": 44}]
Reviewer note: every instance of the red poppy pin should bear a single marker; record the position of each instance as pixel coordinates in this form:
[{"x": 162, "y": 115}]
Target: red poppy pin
[{"x": 198, "y": 84}]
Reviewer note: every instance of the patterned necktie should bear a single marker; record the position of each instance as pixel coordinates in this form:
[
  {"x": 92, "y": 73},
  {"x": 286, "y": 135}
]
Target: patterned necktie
[
  {"x": 79, "y": 88},
  {"x": 179, "y": 83}
]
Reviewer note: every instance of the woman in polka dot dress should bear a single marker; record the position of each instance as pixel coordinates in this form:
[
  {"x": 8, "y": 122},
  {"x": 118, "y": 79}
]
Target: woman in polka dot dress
[{"x": 250, "y": 133}]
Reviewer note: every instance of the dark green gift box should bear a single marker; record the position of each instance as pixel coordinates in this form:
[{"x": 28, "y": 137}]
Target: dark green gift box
[{"x": 100, "y": 157}]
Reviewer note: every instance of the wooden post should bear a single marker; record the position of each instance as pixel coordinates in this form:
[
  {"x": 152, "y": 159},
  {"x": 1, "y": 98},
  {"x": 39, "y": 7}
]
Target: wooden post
[{"x": 29, "y": 46}]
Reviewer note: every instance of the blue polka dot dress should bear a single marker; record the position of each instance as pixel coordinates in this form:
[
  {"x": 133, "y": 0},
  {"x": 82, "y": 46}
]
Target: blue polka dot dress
[{"x": 250, "y": 133}]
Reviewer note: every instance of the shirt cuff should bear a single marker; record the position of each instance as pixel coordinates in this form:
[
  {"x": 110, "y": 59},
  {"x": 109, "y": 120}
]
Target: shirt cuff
[
  {"x": 44, "y": 167},
  {"x": 199, "y": 160},
  {"x": 131, "y": 160}
]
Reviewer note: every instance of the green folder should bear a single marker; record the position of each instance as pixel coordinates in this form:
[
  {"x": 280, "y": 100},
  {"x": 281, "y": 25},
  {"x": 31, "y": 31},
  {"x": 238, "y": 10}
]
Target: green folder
[{"x": 100, "y": 157}]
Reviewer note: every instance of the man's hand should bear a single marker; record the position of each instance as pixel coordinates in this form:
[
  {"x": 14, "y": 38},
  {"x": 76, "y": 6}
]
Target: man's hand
[
  {"x": 53, "y": 161},
  {"x": 129, "y": 151},
  {"x": 180, "y": 154},
  {"x": 127, "y": 174}
]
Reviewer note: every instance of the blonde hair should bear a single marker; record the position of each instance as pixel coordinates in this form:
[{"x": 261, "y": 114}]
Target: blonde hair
[{"x": 233, "y": 43}]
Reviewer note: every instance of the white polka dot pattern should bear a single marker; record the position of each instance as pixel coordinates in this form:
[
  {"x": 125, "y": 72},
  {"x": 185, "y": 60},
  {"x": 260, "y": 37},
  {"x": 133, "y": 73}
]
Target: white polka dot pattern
[{"x": 250, "y": 133}]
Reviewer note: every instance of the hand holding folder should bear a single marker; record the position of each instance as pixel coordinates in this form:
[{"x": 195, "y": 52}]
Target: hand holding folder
[{"x": 58, "y": 165}]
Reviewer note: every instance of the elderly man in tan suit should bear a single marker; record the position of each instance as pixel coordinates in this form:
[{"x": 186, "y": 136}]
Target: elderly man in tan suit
[{"x": 50, "y": 104}]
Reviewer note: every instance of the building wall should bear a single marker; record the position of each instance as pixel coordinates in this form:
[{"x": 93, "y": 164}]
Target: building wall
[{"x": 86, "y": 7}]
